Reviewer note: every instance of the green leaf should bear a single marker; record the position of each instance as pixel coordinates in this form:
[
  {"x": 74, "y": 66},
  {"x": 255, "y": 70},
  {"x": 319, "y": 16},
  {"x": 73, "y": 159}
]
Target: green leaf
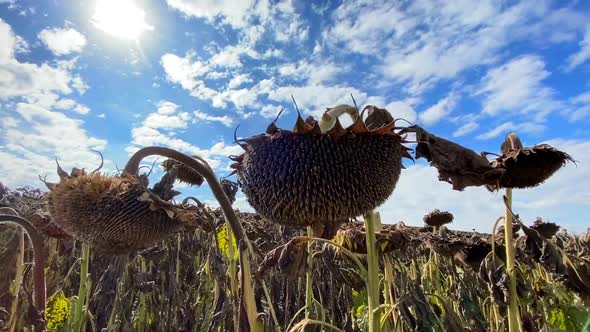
[
  {"x": 360, "y": 302},
  {"x": 57, "y": 311},
  {"x": 229, "y": 249},
  {"x": 568, "y": 318}
]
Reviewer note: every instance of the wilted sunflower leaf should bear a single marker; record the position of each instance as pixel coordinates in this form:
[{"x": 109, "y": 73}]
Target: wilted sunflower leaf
[{"x": 456, "y": 164}]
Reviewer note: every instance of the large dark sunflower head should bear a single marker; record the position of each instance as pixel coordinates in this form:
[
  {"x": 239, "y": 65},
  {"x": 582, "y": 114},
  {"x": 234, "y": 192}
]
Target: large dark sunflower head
[
  {"x": 115, "y": 215},
  {"x": 320, "y": 172}
]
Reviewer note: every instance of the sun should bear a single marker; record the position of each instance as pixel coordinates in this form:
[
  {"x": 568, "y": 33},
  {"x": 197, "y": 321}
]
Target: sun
[{"x": 122, "y": 19}]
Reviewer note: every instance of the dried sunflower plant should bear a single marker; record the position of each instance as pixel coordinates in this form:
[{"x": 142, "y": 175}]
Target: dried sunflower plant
[
  {"x": 302, "y": 262},
  {"x": 516, "y": 167},
  {"x": 321, "y": 175}
]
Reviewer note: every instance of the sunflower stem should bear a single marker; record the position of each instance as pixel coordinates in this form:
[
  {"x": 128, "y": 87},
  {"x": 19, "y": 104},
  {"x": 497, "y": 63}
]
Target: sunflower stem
[
  {"x": 371, "y": 222},
  {"x": 309, "y": 276},
  {"x": 244, "y": 246},
  {"x": 513, "y": 310},
  {"x": 388, "y": 284},
  {"x": 40, "y": 256},
  {"x": 18, "y": 278},
  {"x": 79, "y": 316}
]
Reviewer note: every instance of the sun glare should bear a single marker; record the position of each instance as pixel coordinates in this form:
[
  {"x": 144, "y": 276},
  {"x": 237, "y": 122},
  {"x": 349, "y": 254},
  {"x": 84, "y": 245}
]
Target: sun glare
[{"x": 120, "y": 18}]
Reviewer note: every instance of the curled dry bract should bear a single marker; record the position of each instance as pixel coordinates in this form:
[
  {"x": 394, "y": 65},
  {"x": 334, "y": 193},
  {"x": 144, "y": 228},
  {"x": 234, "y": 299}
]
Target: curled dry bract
[{"x": 304, "y": 177}]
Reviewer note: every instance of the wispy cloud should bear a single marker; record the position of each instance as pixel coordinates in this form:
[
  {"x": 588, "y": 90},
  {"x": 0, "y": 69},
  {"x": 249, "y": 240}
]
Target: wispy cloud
[
  {"x": 507, "y": 127},
  {"x": 582, "y": 55},
  {"x": 225, "y": 120},
  {"x": 438, "y": 111},
  {"x": 517, "y": 86}
]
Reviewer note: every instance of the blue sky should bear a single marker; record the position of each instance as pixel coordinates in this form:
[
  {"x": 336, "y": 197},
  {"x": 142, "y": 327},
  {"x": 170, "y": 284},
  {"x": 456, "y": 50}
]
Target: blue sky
[{"x": 118, "y": 75}]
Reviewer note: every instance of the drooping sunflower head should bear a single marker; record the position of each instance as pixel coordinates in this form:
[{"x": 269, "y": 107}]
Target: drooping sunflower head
[
  {"x": 182, "y": 172},
  {"x": 320, "y": 172},
  {"x": 527, "y": 167},
  {"x": 115, "y": 215}
]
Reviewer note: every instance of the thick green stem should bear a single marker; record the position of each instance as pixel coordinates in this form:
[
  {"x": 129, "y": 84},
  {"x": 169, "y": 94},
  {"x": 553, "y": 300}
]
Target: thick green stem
[
  {"x": 371, "y": 220},
  {"x": 79, "y": 316},
  {"x": 309, "y": 276},
  {"x": 513, "y": 311}
]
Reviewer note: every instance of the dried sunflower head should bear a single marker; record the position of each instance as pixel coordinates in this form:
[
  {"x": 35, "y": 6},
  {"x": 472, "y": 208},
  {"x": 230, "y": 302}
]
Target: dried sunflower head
[
  {"x": 438, "y": 218},
  {"x": 474, "y": 253},
  {"x": 527, "y": 167},
  {"x": 115, "y": 215},
  {"x": 182, "y": 172},
  {"x": 352, "y": 236},
  {"x": 546, "y": 229},
  {"x": 447, "y": 247},
  {"x": 306, "y": 176}
]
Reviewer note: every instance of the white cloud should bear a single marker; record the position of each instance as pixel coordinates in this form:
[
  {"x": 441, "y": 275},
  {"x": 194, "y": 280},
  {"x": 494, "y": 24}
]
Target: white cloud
[
  {"x": 231, "y": 12},
  {"x": 215, "y": 75},
  {"x": 215, "y": 156},
  {"x": 11, "y": 43},
  {"x": 82, "y": 109},
  {"x": 155, "y": 120},
  {"x": 580, "y": 107},
  {"x": 423, "y": 42},
  {"x": 465, "y": 129},
  {"x": 32, "y": 145},
  {"x": 228, "y": 57},
  {"x": 238, "y": 80},
  {"x": 33, "y": 134},
  {"x": 252, "y": 18},
  {"x": 166, "y": 117},
  {"x": 225, "y": 120},
  {"x": 22, "y": 79},
  {"x": 314, "y": 73},
  {"x": 158, "y": 129},
  {"x": 270, "y": 111},
  {"x": 166, "y": 107},
  {"x": 561, "y": 199},
  {"x": 517, "y": 87},
  {"x": 313, "y": 99},
  {"x": 507, "y": 127},
  {"x": 62, "y": 41},
  {"x": 438, "y": 111},
  {"x": 79, "y": 84},
  {"x": 582, "y": 55},
  {"x": 401, "y": 109},
  {"x": 64, "y": 104},
  {"x": 183, "y": 70}
]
